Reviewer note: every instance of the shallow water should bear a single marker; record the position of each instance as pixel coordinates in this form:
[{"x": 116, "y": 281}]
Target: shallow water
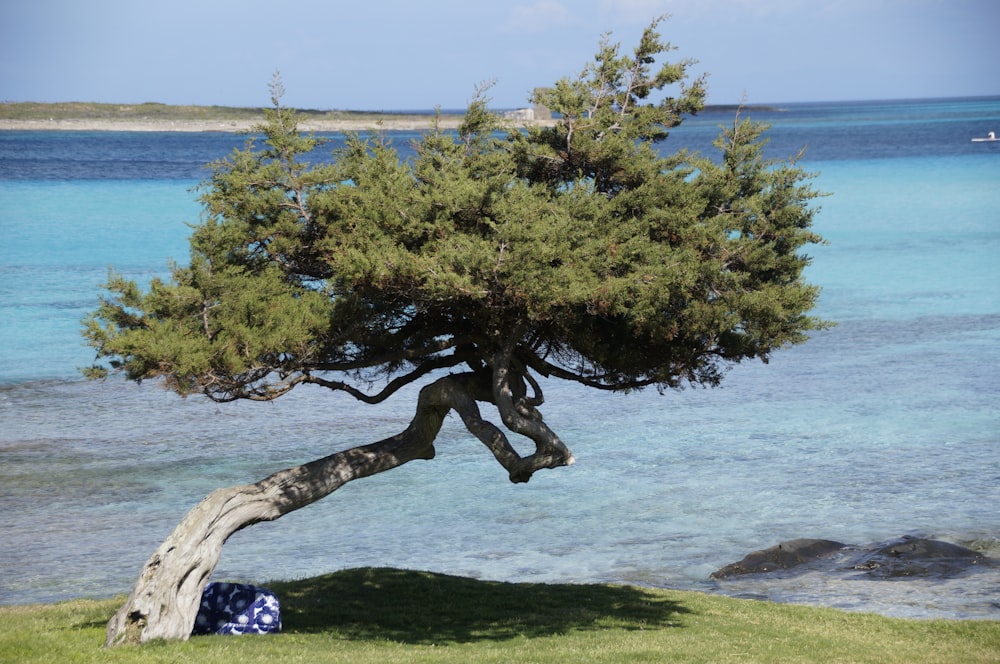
[{"x": 887, "y": 424}]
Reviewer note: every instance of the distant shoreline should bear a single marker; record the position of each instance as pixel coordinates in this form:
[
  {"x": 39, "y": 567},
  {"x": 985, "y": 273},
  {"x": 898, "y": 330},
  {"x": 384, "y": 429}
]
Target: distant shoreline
[
  {"x": 406, "y": 123},
  {"x": 155, "y": 117},
  {"x": 165, "y": 125}
]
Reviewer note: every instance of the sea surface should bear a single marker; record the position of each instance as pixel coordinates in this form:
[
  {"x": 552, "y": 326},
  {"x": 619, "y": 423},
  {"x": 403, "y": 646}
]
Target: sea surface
[{"x": 886, "y": 425}]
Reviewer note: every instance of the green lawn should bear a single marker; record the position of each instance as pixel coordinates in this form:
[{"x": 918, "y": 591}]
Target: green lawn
[{"x": 387, "y": 615}]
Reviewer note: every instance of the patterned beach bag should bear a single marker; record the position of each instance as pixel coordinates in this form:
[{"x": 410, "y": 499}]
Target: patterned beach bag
[{"x": 233, "y": 608}]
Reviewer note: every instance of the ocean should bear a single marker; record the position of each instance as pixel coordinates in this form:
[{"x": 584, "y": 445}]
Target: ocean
[{"x": 886, "y": 425}]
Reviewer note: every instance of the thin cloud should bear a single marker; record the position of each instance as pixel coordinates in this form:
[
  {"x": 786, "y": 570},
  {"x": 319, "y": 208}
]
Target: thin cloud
[
  {"x": 634, "y": 11},
  {"x": 538, "y": 17}
]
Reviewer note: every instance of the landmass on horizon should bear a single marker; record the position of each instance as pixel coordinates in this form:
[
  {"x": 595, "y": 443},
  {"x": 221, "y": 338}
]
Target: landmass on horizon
[{"x": 154, "y": 116}]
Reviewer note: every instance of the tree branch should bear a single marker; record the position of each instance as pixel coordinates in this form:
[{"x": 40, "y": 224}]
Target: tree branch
[
  {"x": 519, "y": 416},
  {"x": 599, "y": 382},
  {"x": 426, "y": 367}
]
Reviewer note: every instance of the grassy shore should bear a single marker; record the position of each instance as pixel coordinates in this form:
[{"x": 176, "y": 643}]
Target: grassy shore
[
  {"x": 152, "y": 116},
  {"x": 386, "y": 615}
]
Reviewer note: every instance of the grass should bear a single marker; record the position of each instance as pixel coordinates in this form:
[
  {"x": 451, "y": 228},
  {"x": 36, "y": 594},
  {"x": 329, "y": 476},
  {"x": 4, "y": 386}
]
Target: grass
[{"x": 388, "y": 615}]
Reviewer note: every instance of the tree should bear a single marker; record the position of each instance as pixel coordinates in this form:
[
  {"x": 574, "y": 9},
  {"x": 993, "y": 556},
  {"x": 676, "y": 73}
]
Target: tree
[{"x": 492, "y": 259}]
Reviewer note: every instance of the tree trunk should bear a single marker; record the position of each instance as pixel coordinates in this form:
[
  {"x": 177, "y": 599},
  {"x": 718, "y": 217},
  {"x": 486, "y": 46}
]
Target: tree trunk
[{"x": 164, "y": 602}]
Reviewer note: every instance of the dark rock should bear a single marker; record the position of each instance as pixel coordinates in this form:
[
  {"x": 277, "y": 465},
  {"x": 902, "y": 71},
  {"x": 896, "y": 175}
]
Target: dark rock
[
  {"x": 902, "y": 558},
  {"x": 783, "y": 556},
  {"x": 914, "y": 556}
]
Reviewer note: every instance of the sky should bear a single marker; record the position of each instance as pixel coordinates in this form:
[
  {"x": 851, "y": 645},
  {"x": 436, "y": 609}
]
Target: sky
[{"x": 421, "y": 54}]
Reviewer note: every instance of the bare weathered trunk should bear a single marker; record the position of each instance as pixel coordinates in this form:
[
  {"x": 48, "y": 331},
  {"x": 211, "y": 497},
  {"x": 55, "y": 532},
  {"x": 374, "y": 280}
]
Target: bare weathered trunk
[{"x": 164, "y": 602}]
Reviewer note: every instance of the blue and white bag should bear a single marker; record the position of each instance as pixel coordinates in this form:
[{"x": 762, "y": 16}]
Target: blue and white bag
[{"x": 233, "y": 608}]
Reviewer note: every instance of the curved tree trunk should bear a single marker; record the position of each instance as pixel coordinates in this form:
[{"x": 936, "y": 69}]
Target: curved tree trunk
[{"x": 164, "y": 602}]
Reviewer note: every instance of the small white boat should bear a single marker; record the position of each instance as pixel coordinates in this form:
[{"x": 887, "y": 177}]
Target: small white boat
[{"x": 990, "y": 138}]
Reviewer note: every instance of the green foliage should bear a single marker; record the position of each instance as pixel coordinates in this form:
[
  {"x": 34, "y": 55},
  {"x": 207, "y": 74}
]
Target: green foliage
[
  {"x": 576, "y": 251},
  {"x": 387, "y": 615}
]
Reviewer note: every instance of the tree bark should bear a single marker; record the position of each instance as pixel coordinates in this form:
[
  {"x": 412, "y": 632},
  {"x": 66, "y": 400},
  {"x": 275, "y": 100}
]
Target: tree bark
[{"x": 164, "y": 602}]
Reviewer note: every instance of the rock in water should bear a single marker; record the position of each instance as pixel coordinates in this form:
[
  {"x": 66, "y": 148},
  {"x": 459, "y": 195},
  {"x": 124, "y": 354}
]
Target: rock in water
[
  {"x": 914, "y": 556},
  {"x": 783, "y": 556}
]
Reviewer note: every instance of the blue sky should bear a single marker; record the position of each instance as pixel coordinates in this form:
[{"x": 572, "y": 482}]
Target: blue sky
[{"x": 418, "y": 54}]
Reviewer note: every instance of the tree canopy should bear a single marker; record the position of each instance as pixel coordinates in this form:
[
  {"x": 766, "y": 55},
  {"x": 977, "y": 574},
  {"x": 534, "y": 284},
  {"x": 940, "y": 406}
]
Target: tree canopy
[{"x": 576, "y": 250}]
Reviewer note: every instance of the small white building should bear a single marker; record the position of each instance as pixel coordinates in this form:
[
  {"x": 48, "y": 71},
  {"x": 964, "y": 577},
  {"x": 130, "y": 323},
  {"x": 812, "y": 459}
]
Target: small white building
[{"x": 520, "y": 114}]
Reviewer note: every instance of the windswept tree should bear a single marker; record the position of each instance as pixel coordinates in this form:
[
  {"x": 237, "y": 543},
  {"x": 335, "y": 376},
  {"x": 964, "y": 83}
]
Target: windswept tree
[{"x": 494, "y": 258}]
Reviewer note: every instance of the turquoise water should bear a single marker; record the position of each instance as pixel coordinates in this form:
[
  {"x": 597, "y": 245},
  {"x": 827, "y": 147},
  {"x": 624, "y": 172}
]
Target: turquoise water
[
  {"x": 888, "y": 424},
  {"x": 61, "y": 238}
]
